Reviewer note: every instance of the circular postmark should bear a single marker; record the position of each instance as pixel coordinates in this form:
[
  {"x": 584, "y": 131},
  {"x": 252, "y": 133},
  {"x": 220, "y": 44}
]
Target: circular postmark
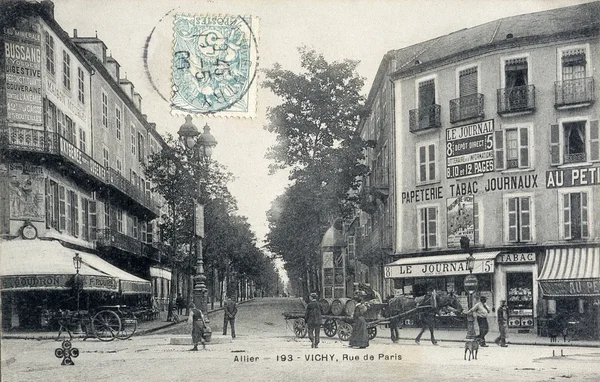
[{"x": 214, "y": 65}]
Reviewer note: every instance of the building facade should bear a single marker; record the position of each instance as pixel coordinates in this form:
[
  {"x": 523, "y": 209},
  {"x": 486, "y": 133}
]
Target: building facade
[
  {"x": 496, "y": 139},
  {"x": 73, "y": 146}
]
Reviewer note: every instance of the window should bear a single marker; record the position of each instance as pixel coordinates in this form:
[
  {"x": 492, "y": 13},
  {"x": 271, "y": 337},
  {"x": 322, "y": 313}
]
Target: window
[
  {"x": 52, "y": 204},
  {"x": 512, "y": 147},
  {"x": 573, "y": 64},
  {"x": 516, "y": 94},
  {"x": 141, "y": 148},
  {"x": 106, "y": 215},
  {"x": 62, "y": 209},
  {"x": 60, "y": 123},
  {"x": 82, "y": 144},
  {"x": 50, "y": 115},
  {"x": 93, "y": 220},
  {"x": 575, "y": 217},
  {"x": 104, "y": 109},
  {"x": 119, "y": 166},
  {"x": 133, "y": 144},
  {"x": 85, "y": 228},
  {"x": 467, "y": 82},
  {"x": 105, "y": 157},
  {"x": 426, "y": 93},
  {"x": 574, "y": 142},
  {"x": 80, "y": 85},
  {"x": 66, "y": 70},
  {"x": 426, "y": 163},
  {"x": 519, "y": 217},
  {"x": 70, "y": 132},
  {"x": 135, "y": 227},
  {"x": 50, "y": 53},
  {"x": 118, "y": 122},
  {"x": 73, "y": 202},
  {"x": 428, "y": 225},
  {"x": 119, "y": 213}
]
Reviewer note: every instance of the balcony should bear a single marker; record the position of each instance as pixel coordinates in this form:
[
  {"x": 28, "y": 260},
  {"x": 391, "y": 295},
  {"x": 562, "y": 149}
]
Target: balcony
[
  {"x": 424, "y": 118},
  {"x": 379, "y": 239},
  {"x": 518, "y": 99},
  {"x": 468, "y": 107},
  {"x": 110, "y": 238},
  {"x": 80, "y": 159},
  {"x": 381, "y": 180},
  {"x": 32, "y": 140},
  {"x": 575, "y": 158},
  {"x": 574, "y": 93},
  {"x": 119, "y": 182}
]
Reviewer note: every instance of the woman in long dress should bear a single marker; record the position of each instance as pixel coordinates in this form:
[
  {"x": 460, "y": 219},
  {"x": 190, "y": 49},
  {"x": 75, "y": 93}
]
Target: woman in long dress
[
  {"x": 360, "y": 336},
  {"x": 196, "y": 318}
]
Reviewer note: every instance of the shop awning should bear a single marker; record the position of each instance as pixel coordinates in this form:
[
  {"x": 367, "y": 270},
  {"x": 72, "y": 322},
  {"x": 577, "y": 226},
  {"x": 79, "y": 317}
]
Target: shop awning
[
  {"x": 571, "y": 272},
  {"x": 442, "y": 265},
  {"x": 128, "y": 283},
  {"x": 27, "y": 265}
]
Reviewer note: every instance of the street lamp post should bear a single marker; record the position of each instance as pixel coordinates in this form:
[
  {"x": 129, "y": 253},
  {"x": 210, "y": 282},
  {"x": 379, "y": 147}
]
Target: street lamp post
[
  {"x": 470, "y": 286},
  {"x": 77, "y": 265},
  {"x": 202, "y": 144}
]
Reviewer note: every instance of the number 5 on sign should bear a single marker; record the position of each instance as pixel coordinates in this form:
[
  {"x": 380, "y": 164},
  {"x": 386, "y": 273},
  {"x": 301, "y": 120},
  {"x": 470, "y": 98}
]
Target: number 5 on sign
[{"x": 488, "y": 266}]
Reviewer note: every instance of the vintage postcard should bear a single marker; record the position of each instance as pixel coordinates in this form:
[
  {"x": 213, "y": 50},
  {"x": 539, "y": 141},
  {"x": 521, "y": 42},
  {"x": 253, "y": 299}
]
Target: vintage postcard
[{"x": 299, "y": 191}]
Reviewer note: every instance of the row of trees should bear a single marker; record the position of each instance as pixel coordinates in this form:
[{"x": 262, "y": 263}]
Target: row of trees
[
  {"x": 316, "y": 127},
  {"x": 229, "y": 247}
]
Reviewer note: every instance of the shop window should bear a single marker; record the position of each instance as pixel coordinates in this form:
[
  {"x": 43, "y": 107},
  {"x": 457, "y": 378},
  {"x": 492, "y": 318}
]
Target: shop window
[
  {"x": 575, "y": 215},
  {"x": 428, "y": 227},
  {"x": 574, "y": 142},
  {"x": 426, "y": 163},
  {"x": 50, "y": 67},
  {"x": 513, "y": 148},
  {"x": 520, "y": 299},
  {"x": 518, "y": 219}
]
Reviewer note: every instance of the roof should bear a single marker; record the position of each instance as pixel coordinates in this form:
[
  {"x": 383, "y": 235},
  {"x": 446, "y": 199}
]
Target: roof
[{"x": 560, "y": 23}]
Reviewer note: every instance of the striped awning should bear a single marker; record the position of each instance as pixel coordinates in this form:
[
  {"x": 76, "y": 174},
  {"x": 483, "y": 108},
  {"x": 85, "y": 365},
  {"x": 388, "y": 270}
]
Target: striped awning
[{"x": 571, "y": 272}]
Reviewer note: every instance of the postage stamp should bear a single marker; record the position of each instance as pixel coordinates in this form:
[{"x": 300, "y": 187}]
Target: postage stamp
[{"x": 215, "y": 59}]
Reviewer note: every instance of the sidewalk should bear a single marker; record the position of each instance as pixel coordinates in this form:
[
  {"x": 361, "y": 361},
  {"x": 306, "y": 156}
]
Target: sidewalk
[
  {"x": 143, "y": 328},
  {"x": 459, "y": 336}
]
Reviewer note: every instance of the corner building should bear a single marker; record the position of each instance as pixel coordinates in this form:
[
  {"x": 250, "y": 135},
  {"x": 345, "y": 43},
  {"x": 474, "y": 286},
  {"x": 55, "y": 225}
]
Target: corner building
[
  {"x": 496, "y": 139},
  {"x": 73, "y": 143}
]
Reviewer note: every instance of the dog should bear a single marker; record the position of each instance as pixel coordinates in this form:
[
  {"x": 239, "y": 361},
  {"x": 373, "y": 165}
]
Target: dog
[{"x": 471, "y": 347}]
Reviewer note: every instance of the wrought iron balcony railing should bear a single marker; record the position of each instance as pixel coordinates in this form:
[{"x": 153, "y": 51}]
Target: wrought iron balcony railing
[
  {"x": 574, "y": 92},
  {"x": 467, "y": 107},
  {"x": 19, "y": 138},
  {"x": 122, "y": 184},
  {"x": 516, "y": 99},
  {"x": 70, "y": 152},
  {"x": 424, "y": 118},
  {"x": 108, "y": 237},
  {"x": 575, "y": 158}
]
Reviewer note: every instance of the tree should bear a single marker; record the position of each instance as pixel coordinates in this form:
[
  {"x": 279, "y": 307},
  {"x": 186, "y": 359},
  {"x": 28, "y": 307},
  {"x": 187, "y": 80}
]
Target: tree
[{"x": 318, "y": 141}]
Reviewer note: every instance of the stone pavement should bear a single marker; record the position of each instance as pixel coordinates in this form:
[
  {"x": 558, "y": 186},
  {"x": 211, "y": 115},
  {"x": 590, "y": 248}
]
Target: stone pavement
[{"x": 143, "y": 328}]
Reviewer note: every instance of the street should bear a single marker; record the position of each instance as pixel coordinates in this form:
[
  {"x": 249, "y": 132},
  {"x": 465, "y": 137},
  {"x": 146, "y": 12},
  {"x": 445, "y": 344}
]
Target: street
[{"x": 266, "y": 350}]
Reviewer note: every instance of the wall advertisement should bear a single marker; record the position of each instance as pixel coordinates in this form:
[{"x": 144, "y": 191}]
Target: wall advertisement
[
  {"x": 460, "y": 220},
  {"x": 470, "y": 149}
]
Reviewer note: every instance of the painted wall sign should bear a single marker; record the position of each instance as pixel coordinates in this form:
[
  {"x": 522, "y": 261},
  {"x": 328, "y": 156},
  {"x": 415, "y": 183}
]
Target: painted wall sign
[
  {"x": 37, "y": 282},
  {"x": 438, "y": 269},
  {"x": 573, "y": 177},
  {"x": 23, "y": 68},
  {"x": 470, "y": 149},
  {"x": 422, "y": 195},
  {"x": 26, "y": 185},
  {"x": 559, "y": 288},
  {"x": 513, "y": 258},
  {"x": 459, "y": 212}
]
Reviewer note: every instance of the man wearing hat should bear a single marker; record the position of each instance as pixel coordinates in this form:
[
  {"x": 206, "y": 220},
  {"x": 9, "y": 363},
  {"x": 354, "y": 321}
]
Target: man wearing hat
[
  {"x": 312, "y": 317},
  {"x": 502, "y": 324},
  {"x": 481, "y": 310}
]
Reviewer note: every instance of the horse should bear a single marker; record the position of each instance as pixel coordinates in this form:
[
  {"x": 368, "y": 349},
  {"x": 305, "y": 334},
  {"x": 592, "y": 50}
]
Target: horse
[{"x": 426, "y": 315}]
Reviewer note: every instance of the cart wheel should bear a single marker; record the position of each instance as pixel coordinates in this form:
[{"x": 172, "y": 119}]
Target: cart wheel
[
  {"x": 300, "y": 328},
  {"x": 128, "y": 326},
  {"x": 344, "y": 331},
  {"x": 330, "y": 327},
  {"x": 372, "y": 330},
  {"x": 106, "y": 324}
]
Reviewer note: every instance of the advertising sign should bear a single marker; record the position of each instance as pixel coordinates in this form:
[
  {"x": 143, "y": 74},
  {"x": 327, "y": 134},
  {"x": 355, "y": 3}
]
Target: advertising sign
[
  {"x": 23, "y": 68},
  {"x": 573, "y": 177},
  {"x": 470, "y": 149},
  {"x": 460, "y": 219},
  {"x": 441, "y": 268}
]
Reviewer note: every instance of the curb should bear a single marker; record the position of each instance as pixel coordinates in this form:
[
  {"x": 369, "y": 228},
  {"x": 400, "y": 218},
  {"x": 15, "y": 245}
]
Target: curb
[{"x": 556, "y": 344}]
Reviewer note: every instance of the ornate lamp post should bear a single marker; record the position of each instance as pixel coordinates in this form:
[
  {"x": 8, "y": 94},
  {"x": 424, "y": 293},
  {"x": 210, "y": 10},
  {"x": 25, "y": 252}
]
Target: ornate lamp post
[
  {"x": 77, "y": 265},
  {"x": 470, "y": 286},
  {"x": 202, "y": 145}
]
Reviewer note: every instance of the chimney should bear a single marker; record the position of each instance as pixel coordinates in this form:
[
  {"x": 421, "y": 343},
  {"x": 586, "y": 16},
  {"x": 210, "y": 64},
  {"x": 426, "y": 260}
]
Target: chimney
[
  {"x": 75, "y": 33},
  {"x": 48, "y": 8},
  {"x": 127, "y": 87},
  {"x": 152, "y": 126},
  {"x": 113, "y": 68},
  {"x": 137, "y": 98}
]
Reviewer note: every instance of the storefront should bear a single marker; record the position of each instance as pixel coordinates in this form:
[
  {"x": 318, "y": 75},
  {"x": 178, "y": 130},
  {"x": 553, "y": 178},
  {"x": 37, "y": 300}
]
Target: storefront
[
  {"x": 414, "y": 276},
  {"x": 570, "y": 288}
]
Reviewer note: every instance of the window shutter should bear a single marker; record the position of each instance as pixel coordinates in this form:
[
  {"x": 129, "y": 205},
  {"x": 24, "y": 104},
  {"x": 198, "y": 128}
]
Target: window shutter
[
  {"x": 467, "y": 82},
  {"x": 585, "y": 233},
  {"x": 422, "y": 162},
  {"x": 555, "y": 145},
  {"x": 62, "y": 209},
  {"x": 525, "y": 219},
  {"x": 75, "y": 206},
  {"x": 512, "y": 219},
  {"x": 499, "y": 149},
  {"x": 426, "y": 93},
  {"x": 524, "y": 147},
  {"x": 432, "y": 174},
  {"x": 432, "y": 227},
  {"x": 69, "y": 212},
  {"x": 48, "y": 203},
  {"x": 594, "y": 142},
  {"x": 422, "y": 230},
  {"x": 85, "y": 228},
  {"x": 567, "y": 216},
  {"x": 93, "y": 219}
]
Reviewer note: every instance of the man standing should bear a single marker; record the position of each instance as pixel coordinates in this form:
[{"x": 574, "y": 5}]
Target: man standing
[
  {"x": 179, "y": 303},
  {"x": 481, "y": 311},
  {"x": 312, "y": 317},
  {"x": 230, "y": 310},
  {"x": 502, "y": 324}
]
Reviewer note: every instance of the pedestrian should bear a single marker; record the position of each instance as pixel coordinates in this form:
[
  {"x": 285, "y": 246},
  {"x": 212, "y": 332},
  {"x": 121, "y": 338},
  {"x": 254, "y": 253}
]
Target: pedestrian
[
  {"x": 230, "y": 310},
  {"x": 502, "y": 324},
  {"x": 196, "y": 319},
  {"x": 481, "y": 311},
  {"x": 312, "y": 317},
  {"x": 360, "y": 335},
  {"x": 179, "y": 303},
  {"x": 393, "y": 315}
]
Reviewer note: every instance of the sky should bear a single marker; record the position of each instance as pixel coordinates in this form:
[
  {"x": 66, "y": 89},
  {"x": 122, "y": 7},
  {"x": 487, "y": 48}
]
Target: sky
[{"x": 340, "y": 29}]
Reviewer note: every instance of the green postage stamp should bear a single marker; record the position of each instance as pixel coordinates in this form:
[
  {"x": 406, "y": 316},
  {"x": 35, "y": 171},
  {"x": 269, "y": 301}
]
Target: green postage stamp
[{"x": 215, "y": 61}]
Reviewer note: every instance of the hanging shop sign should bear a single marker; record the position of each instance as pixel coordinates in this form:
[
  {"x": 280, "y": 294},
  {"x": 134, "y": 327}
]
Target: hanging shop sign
[
  {"x": 459, "y": 212},
  {"x": 516, "y": 258},
  {"x": 437, "y": 269},
  {"x": 470, "y": 149},
  {"x": 573, "y": 177},
  {"x": 23, "y": 68}
]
